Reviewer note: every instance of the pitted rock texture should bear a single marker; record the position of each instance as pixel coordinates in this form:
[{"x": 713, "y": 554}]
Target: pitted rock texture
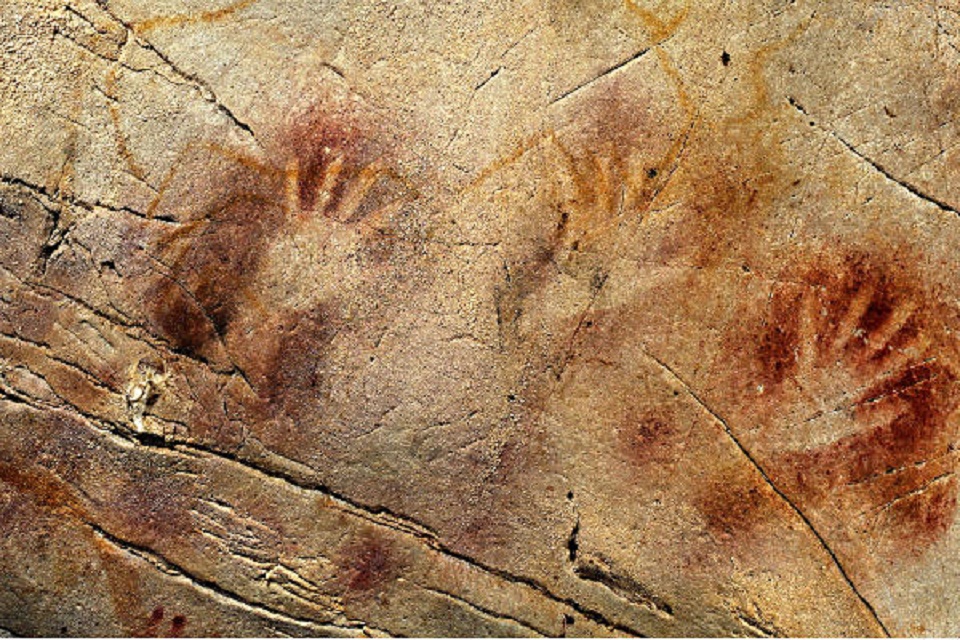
[{"x": 531, "y": 318}]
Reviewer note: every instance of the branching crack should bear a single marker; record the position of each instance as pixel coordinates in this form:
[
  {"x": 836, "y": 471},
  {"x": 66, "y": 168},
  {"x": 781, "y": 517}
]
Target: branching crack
[
  {"x": 202, "y": 87},
  {"x": 212, "y": 588},
  {"x": 379, "y": 516},
  {"x": 916, "y": 492},
  {"x": 60, "y": 196},
  {"x": 625, "y": 587}
]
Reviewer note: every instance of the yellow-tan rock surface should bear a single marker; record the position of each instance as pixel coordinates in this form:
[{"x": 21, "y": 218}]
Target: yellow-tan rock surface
[{"x": 532, "y": 318}]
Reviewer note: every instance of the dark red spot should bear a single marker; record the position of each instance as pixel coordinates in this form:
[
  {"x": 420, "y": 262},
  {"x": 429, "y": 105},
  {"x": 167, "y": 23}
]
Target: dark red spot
[
  {"x": 177, "y": 626},
  {"x": 152, "y": 627}
]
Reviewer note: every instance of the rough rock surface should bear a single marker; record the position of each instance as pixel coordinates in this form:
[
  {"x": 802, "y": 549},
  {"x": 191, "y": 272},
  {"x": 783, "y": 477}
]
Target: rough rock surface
[{"x": 541, "y": 317}]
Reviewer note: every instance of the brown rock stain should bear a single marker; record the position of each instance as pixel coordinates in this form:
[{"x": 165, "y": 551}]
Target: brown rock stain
[
  {"x": 367, "y": 564},
  {"x": 199, "y": 17},
  {"x": 53, "y": 494},
  {"x": 659, "y": 27},
  {"x": 919, "y": 519},
  {"x": 130, "y": 599},
  {"x": 194, "y": 303},
  {"x": 647, "y": 436},
  {"x": 152, "y": 508},
  {"x": 291, "y": 364},
  {"x": 28, "y": 316},
  {"x": 46, "y": 489},
  {"x": 124, "y": 587},
  {"x": 124, "y": 581},
  {"x": 736, "y": 503},
  {"x": 138, "y": 496}
]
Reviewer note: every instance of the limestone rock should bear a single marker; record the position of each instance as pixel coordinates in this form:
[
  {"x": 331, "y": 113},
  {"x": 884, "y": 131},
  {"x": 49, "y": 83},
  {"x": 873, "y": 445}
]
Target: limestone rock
[{"x": 632, "y": 317}]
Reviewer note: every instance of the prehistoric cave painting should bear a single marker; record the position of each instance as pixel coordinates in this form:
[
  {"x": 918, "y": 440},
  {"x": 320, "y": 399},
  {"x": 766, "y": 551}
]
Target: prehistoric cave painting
[
  {"x": 657, "y": 20},
  {"x": 598, "y": 171},
  {"x": 157, "y": 625},
  {"x": 602, "y": 167},
  {"x": 240, "y": 276},
  {"x": 265, "y": 256},
  {"x": 852, "y": 379}
]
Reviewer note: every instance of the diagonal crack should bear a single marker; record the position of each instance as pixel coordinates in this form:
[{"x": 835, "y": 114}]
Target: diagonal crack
[
  {"x": 913, "y": 189},
  {"x": 381, "y": 516},
  {"x": 606, "y": 72},
  {"x": 485, "y": 611},
  {"x": 489, "y": 77},
  {"x": 378, "y": 516},
  {"x": 202, "y": 87},
  {"x": 133, "y": 330},
  {"x": 212, "y": 588},
  {"x": 783, "y": 496},
  {"x": 876, "y": 166},
  {"x": 915, "y": 492},
  {"x": 306, "y": 480},
  {"x": 594, "y": 569},
  {"x": 58, "y": 195}
]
